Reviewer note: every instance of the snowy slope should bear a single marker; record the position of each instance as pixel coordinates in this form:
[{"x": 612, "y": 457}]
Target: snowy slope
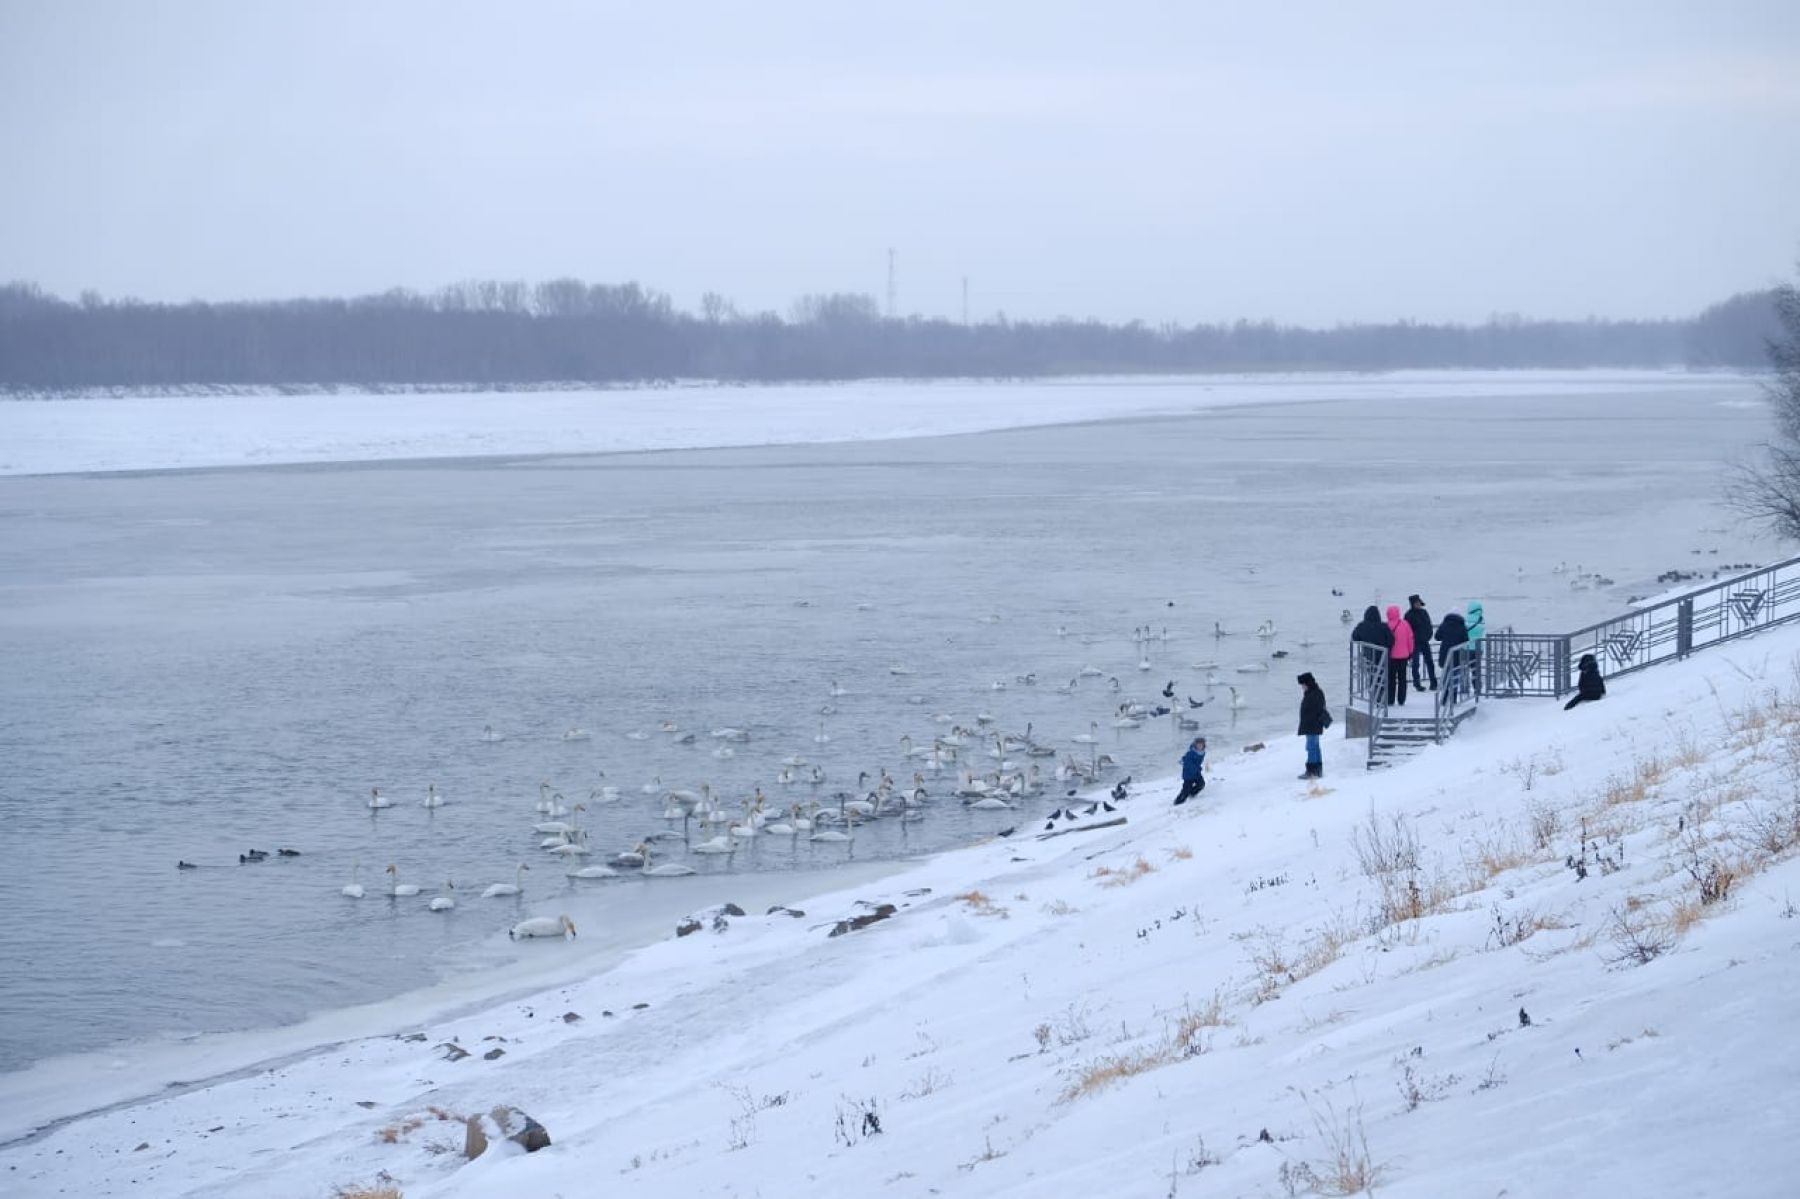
[{"x": 1128, "y": 1011}]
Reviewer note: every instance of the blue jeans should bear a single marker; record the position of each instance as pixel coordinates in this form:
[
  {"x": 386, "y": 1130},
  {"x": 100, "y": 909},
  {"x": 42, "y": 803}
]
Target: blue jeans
[{"x": 1313, "y": 756}]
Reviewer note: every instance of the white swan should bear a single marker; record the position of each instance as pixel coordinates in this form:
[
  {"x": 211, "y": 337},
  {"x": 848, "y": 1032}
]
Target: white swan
[
  {"x": 1237, "y": 701},
  {"x": 838, "y": 690},
  {"x": 488, "y": 733},
  {"x": 631, "y": 857},
  {"x": 1091, "y": 737},
  {"x": 992, "y": 803},
  {"x": 594, "y": 872},
  {"x": 354, "y": 889},
  {"x": 829, "y": 834},
  {"x": 899, "y": 668},
  {"x": 667, "y": 869},
  {"x": 516, "y": 887},
  {"x": 432, "y": 798},
  {"x": 577, "y": 734},
  {"x": 398, "y": 889},
  {"x": 543, "y": 926},
  {"x": 716, "y": 845},
  {"x": 443, "y": 903},
  {"x": 822, "y": 737},
  {"x": 1266, "y": 629},
  {"x": 793, "y": 760},
  {"x": 377, "y": 800}
]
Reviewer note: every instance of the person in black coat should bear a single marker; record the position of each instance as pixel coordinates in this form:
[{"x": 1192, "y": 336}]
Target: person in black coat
[
  {"x": 1419, "y": 620},
  {"x": 1590, "y": 686},
  {"x": 1450, "y": 634},
  {"x": 1372, "y": 630},
  {"x": 1315, "y": 718}
]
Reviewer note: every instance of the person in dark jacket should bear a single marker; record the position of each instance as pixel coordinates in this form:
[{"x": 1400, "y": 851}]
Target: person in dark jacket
[
  {"x": 1591, "y": 686},
  {"x": 1419, "y": 620},
  {"x": 1315, "y": 718},
  {"x": 1372, "y": 630},
  {"x": 1193, "y": 771},
  {"x": 1450, "y": 634}
]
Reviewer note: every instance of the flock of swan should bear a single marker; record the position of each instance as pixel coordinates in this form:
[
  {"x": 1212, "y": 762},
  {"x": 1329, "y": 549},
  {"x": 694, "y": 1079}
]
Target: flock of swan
[{"x": 974, "y": 764}]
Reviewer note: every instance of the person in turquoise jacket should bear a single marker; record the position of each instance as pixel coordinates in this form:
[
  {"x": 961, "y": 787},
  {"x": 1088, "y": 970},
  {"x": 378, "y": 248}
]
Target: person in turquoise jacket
[{"x": 1477, "y": 630}]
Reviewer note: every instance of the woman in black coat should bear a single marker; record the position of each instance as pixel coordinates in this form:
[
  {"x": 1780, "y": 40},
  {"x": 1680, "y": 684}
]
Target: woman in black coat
[
  {"x": 1315, "y": 718},
  {"x": 1591, "y": 686},
  {"x": 1452, "y": 631}
]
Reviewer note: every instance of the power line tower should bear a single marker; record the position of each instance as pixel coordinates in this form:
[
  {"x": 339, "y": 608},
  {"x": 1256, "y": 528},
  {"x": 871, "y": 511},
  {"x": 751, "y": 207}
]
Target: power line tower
[{"x": 893, "y": 305}]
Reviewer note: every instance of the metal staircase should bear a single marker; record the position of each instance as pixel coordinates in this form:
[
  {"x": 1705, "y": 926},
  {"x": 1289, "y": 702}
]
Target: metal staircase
[{"x": 1394, "y": 737}]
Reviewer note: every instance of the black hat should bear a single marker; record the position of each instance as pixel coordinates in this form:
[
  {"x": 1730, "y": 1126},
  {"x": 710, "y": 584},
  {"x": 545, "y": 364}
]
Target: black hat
[
  {"x": 1413, "y": 599},
  {"x": 1306, "y": 680}
]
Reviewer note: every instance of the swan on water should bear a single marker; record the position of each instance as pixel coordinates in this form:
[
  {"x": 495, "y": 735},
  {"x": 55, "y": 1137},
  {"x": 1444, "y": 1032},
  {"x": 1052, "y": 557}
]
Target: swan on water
[
  {"x": 821, "y": 737},
  {"x": 594, "y": 872},
  {"x": 838, "y": 690},
  {"x": 1266, "y": 629},
  {"x": 354, "y": 889},
  {"x": 818, "y": 776},
  {"x": 829, "y": 834},
  {"x": 793, "y": 760},
  {"x": 398, "y": 889},
  {"x": 899, "y": 668},
  {"x": 667, "y": 869},
  {"x": 443, "y": 903},
  {"x": 716, "y": 845},
  {"x": 543, "y": 926},
  {"x": 724, "y": 751},
  {"x": 577, "y": 734},
  {"x": 991, "y": 803},
  {"x": 1091, "y": 737},
  {"x": 637, "y": 735},
  {"x": 516, "y": 887},
  {"x": 488, "y": 733},
  {"x": 432, "y": 798},
  {"x": 1237, "y": 701},
  {"x": 377, "y": 800},
  {"x": 631, "y": 857},
  {"x": 1254, "y": 668}
]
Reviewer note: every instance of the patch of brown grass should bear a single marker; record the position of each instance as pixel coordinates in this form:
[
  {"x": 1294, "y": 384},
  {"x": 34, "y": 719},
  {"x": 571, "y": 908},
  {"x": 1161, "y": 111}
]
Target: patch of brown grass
[
  {"x": 1104, "y": 1071},
  {"x": 981, "y": 905},
  {"x": 1180, "y": 853},
  {"x": 1106, "y": 876}
]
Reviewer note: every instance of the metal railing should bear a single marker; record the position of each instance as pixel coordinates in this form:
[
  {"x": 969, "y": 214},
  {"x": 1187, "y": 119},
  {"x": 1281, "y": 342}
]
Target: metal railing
[
  {"x": 1369, "y": 686},
  {"x": 1519, "y": 664},
  {"x": 1457, "y": 695}
]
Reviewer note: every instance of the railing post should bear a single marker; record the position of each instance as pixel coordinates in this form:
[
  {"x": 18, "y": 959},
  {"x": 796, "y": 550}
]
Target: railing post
[
  {"x": 1562, "y": 666},
  {"x": 1684, "y": 628}
]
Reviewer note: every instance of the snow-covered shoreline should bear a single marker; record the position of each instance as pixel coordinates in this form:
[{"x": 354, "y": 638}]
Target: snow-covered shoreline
[
  {"x": 1210, "y": 1000},
  {"x": 40, "y": 436}
]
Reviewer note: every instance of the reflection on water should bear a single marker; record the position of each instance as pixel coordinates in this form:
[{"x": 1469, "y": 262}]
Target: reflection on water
[{"x": 201, "y": 664}]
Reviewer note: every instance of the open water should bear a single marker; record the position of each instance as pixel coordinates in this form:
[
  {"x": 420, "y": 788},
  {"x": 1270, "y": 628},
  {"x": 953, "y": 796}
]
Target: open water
[{"x": 198, "y": 663}]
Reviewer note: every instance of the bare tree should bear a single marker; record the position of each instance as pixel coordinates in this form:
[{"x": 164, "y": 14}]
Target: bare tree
[{"x": 1768, "y": 492}]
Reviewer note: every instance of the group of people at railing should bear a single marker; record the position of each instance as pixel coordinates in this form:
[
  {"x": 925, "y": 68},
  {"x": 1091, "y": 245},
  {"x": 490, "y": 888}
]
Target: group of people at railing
[{"x": 1407, "y": 638}]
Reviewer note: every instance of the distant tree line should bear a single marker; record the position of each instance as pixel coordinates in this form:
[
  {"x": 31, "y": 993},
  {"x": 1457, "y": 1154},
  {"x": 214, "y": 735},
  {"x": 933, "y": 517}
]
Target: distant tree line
[{"x": 495, "y": 334}]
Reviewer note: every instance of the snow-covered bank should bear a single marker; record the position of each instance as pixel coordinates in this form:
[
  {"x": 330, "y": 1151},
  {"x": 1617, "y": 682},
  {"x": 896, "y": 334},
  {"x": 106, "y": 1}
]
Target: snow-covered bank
[
  {"x": 1554, "y": 956},
  {"x": 162, "y": 432}
]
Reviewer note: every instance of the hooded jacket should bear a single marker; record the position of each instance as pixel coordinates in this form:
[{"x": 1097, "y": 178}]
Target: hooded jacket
[
  {"x": 1313, "y": 712},
  {"x": 1373, "y": 630},
  {"x": 1450, "y": 634},
  {"x": 1477, "y": 625},
  {"x": 1402, "y": 631},
  {"x": 1193, "y": 765}
]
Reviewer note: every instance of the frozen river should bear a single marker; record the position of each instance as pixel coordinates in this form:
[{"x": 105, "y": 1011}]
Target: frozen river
[{"x": 200, "y": 662}]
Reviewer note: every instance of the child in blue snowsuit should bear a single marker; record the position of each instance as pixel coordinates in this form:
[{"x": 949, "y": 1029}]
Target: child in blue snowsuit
[{"x": 1193, "y": 771}]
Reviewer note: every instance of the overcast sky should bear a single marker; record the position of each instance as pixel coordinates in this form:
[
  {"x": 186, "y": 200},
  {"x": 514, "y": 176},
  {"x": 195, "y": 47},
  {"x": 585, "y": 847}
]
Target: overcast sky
[{"x": 1311, "y": 162}]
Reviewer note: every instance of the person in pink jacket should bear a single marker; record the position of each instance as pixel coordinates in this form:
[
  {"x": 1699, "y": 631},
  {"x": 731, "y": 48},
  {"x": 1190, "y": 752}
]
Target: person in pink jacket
[{"x": 1403, "y": 649}]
